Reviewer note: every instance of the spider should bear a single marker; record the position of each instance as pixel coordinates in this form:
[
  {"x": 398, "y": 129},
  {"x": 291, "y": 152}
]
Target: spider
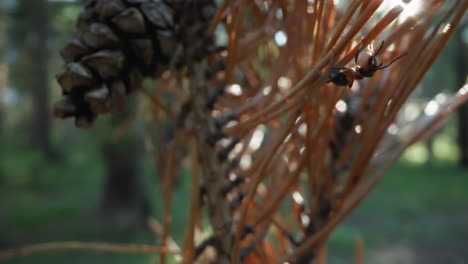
[{"x": 344, "y": 76}]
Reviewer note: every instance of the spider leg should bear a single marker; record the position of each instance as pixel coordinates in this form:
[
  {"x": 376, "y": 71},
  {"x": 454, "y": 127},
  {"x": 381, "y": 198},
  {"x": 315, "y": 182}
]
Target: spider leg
[
  {"x": 397, "y": 58},
  {"x": 360, "y": 48},
  {"x": 379, "y": 50},
  {"x": 351, "y": 84}
]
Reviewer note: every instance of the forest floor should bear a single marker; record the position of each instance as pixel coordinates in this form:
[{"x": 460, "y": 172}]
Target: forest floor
[{"x": 418, "y": 214}]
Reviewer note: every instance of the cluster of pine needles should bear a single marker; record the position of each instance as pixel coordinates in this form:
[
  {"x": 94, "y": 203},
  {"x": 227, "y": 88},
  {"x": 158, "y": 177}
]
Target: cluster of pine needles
[{"x": 298, "y": 153}]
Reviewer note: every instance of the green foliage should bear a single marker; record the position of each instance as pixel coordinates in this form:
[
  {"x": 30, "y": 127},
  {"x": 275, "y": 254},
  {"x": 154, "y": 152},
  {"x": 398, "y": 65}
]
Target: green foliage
[
  {"x": 411, "y": 201},
  {"x": 413, "y": 204},
  {"x": 20, "y": 165},
  {"x": 42, "y": 189},
  {"x": 84, "y": 257},
  {"x": 441, "y": 76},
  {"x": 23, "y": 166}
]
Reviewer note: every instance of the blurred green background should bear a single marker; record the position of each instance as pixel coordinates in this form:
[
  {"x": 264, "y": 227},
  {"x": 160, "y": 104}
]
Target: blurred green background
[{"x": 61, "y": 183}]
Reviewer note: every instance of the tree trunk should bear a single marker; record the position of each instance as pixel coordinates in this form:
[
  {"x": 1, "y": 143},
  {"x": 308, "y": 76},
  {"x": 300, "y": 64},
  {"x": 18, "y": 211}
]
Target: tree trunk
[
  {"x": 3, "y": 84},
  {"x": 41, "y": 115},
  {"x": 123, "y": 196},
  {"x": 461, "y": 61},
  {"x": 3, "y": 70},
  {"x": 31, "y": 72}
]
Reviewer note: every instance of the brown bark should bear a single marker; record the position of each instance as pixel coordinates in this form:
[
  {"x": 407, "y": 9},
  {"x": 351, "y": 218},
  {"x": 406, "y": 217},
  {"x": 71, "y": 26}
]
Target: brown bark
[{"x": 212, "y": 168}]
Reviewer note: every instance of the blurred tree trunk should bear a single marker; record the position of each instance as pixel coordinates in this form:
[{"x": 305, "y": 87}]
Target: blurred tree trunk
[
  {"x": 3, "y": 69},
  {"x": 124, "y": 198},
  {"x": 41, "y": 115},
  {"x": 461, "y": 61},
  {"x": 3, "y": 82},
  {"x": 31, "y": 70}
]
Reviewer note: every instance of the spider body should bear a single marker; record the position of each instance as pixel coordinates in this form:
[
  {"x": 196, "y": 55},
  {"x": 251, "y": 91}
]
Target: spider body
[{"x": 343, "y": 76}]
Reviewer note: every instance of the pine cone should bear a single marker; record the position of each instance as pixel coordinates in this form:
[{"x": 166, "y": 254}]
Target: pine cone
[{"x": 120, "y": 41}]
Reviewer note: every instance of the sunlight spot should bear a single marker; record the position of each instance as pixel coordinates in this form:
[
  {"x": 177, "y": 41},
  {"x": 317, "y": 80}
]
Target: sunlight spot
[
  {"x": 411, "y": 9},
  {"x": 445, "y": 148},
  {"x": 411, "y": 111},
  {"x": 416, "y": 154},
  {"x": 262, "y": 190},
  {"x": 284, "y": 82},
  {"x": 257, "y": 138},
  {"x": 221, "y": 37},
  {"x": 392, "y": 129},
  {"x": 463, "y": 90},
  {"x": 234, "y": 89},
  {"x": 358, "y": 129},
  {"x": 237, "y": 149},
  {"x": 446, "y": 28},
  {"x": 441, "y": 98},
  {"x": 310, "y": 6},
  {"x": 298, "y": 197},
  {"x": 232, "y": 123},
  {"x": 301, "y": 151},
  {"x": 302, "y": 129},
  {"x": 9, "y": 97},
  {"x": 267, "y": 90},
  {"x": 356, "y": 87},
  {"x": 232, "y": 177},
  {"x": 224, "y": 142},
  {"x": 293, "y": 165},
  {"x": 279, "y": 14},
  {"x": 341, "y": 106},
  {"x": 389, "y": 4},
  {"x": 389, "y": 103},
  {"x": 281, "y": 38},
  {"x": 216, "y": 113},
  {"x": 431, "y": 108},
  {"x": 246, "y": 162},
  {"x": 305, "y": 219}
]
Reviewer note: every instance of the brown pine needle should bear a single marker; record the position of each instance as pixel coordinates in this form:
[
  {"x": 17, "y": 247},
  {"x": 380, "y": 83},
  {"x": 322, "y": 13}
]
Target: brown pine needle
[
  {"x": 189, "y": 242},
  {"x": 359, "y": 250},
  {"x": 282, "y": 128},
  {"x": 157, "y": 104},
  {"x": 167, "y": 190}
]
